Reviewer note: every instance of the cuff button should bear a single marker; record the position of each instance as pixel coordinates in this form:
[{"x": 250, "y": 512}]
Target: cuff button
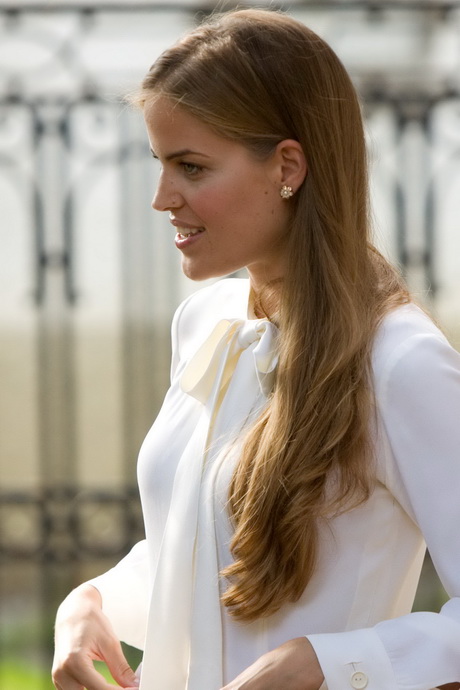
[{"x": 359, "y": 680}]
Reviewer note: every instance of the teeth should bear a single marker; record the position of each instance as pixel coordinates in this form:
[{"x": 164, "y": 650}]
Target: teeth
[{"x": 189, "y": 233}]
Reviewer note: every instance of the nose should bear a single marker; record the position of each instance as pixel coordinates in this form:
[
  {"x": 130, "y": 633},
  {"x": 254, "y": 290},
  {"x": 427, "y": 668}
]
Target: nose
[{"x": 166, "y": 196}]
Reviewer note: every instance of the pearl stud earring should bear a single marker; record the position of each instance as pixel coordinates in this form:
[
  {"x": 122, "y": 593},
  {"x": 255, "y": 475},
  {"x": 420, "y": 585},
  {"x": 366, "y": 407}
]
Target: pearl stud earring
[{"x": 286, "y": 192}]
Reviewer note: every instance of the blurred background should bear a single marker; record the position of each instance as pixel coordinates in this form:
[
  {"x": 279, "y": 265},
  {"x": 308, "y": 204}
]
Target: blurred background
[{"x": 90, "y": 277}]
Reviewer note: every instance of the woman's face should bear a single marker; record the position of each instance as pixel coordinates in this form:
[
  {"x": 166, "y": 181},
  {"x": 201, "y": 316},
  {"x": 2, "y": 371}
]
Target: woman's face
[{"x": 224, "y": 203}]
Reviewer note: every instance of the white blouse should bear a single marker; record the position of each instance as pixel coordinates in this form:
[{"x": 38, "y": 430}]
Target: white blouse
[{"x": 163, "y": 597}]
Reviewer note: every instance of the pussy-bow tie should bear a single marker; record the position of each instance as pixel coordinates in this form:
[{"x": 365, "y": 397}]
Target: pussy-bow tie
[{"x": 210, "y": 369}]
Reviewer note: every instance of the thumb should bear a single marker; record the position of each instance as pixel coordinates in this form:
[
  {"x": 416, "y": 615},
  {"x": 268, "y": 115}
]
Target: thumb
[{"x": 121, "y": 671}]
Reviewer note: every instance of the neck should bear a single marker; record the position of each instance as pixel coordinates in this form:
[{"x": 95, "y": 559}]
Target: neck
[{"x": 265, "y": 300}]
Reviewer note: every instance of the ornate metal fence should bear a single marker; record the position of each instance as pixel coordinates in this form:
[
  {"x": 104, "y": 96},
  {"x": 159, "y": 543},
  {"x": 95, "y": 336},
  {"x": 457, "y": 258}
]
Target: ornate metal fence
[{"x": 89, "y": 276}]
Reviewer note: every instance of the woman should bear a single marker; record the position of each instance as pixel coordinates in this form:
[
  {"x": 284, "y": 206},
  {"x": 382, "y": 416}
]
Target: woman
[{"x": 308, "y": 446}]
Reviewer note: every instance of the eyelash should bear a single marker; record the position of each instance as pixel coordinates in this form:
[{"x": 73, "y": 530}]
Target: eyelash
[
  {"x": 191, "y": 169},
  {"x": 185, "y": 165}
]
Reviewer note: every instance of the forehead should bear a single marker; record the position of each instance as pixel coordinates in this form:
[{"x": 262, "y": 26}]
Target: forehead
[{"x": 169, "y": 124}]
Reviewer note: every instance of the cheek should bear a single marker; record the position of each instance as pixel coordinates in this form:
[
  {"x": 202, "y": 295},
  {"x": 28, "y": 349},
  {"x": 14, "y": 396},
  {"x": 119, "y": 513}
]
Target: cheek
[
  {"x": 218, "y": 205},
  {"x": 241, "y": 196}
]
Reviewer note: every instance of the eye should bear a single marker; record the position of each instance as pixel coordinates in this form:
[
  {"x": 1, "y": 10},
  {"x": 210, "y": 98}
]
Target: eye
[{"x": 191, "y": 169}]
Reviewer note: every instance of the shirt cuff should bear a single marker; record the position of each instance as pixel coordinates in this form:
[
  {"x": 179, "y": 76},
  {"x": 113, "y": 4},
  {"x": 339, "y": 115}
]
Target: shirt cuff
[
  {"x": 354, "y": 660},
  {"x": 131, "y": 629}
]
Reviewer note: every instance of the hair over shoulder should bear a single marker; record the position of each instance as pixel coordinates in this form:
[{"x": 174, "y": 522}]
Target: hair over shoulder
[{"x": 259, "y": 77}]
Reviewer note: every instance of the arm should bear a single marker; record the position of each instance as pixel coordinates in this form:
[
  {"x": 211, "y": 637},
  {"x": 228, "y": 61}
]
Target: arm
[
  {"x": 124, "y": 592},
  {"x": 292, "y": 666},
  {"x": 95, "y": 616},
  {"x": 93, "y": 619},
  {"x": 419, "y": 402}
]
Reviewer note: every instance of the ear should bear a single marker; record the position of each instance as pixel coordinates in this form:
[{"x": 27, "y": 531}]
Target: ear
[{"x": 291, "y": 164}]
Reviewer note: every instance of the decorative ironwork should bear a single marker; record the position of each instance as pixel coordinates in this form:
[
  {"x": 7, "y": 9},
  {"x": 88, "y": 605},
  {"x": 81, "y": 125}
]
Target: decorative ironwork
[{"x": 65, "y": 525}]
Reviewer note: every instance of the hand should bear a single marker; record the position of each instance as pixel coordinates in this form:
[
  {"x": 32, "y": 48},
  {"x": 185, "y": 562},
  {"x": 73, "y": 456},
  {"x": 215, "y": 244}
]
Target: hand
[
  {"x": 292, "y": 666},
  {"x": 83, "y": 634}
]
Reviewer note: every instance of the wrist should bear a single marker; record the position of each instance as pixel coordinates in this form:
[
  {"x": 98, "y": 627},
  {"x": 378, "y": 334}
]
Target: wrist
[
  {"x": 89, "y": 593},
  {"x": 82, "y": 600}
]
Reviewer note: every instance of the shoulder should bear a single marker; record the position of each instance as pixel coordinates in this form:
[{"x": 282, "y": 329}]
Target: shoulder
[
  {"x": 409, "y": 348},
  {"x": 224, "y": 298},
  {"x": 417, "y": 396},
  {"x": 198, "y": 314}
]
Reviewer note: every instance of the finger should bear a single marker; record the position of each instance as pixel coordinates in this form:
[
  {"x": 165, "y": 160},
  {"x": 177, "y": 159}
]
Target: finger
[
  {"x": 60, "y": 682},
  {"x": 61, "y": 687},
  {"x": 118, "y": 666},
  {"x": 79, "y": 677},
  {"x": 123, "y": 674},
  {"x": 68, "y": 686}
]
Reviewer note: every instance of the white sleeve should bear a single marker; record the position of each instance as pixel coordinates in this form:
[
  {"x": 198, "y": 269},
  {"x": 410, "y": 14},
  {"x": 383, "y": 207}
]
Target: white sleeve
[
  {"x": 125, "y": 595},
  {"x": 419, "y": 405},
  {"x": 125, "y": 588}
]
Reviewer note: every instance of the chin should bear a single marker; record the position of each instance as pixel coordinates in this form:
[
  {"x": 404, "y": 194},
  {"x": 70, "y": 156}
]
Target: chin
[{"x": 197, "y": 273}]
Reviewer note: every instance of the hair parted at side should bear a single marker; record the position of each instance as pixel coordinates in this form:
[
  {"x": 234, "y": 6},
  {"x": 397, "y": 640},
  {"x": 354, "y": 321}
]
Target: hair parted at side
[{"x": 258, "y": 77}]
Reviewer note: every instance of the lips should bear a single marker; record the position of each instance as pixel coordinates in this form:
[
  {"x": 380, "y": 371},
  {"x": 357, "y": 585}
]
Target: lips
[
  {"x": 184, "y": 230},
  {"x": 183, "y": 233}
]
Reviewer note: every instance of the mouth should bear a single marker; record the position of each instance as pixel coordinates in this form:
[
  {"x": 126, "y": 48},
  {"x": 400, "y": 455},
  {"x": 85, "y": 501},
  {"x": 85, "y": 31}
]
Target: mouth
[{"x": 183, "y": 233}]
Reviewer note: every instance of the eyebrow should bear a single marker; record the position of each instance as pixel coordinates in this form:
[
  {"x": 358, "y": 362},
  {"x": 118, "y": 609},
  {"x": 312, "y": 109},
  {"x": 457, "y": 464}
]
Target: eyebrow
[{"x": 179, "y": 154}]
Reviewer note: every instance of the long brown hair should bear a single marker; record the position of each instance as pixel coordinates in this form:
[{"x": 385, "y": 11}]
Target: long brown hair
[{"x": 259, "y": 77}]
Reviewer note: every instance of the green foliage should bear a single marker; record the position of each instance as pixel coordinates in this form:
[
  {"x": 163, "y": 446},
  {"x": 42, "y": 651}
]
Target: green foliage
[{"x": 16, "y": 675}]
